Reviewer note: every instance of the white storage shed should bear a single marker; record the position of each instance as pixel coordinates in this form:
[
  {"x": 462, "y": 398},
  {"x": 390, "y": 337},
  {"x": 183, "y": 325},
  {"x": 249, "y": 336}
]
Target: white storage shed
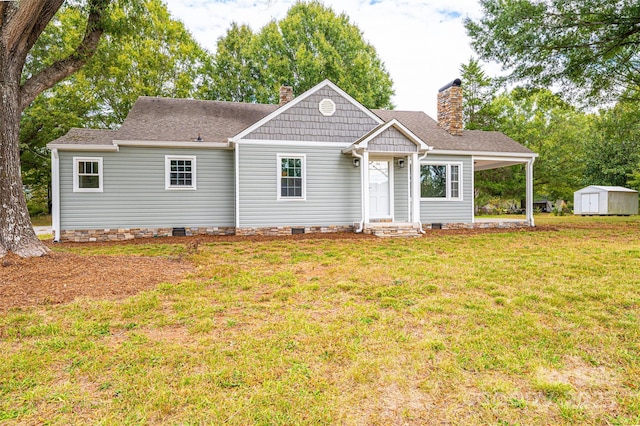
[{"x": 605, "y": 200}]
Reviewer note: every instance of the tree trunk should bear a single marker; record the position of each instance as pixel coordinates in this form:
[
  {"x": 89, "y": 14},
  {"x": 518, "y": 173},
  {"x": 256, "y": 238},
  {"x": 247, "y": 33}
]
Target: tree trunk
[{"x": 16, "y": 232}]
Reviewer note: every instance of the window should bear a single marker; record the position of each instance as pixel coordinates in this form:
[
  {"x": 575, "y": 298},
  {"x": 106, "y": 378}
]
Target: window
[
  {"x": 180, "y": 172},
  {"x": 87, "y": 172},
  {"x": 441, "y": 181},
  {"x": 291, "y": 177}
]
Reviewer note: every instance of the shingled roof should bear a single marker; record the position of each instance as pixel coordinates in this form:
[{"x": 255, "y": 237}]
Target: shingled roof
[
  {"x": 77, "y": 136},
  {"x": 427, "y": 129},
  {"x": 181, "y": 120}
]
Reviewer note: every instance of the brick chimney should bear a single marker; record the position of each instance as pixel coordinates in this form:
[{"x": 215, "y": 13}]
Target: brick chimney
[
  {"x": 450, "y": 107},
  {"x": 286, "y": 94}
]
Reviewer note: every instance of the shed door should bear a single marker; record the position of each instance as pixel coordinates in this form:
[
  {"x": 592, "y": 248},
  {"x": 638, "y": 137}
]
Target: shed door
[{"x": 590, "y": 203}]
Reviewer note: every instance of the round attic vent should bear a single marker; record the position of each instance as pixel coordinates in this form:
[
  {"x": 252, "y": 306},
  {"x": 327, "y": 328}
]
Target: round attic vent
[{"x": 327, "y": 107}]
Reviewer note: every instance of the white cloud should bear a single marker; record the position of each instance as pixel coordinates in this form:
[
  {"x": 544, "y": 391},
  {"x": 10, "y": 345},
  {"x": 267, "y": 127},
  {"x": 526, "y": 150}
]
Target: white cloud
[{"x": 422, "y": 43}]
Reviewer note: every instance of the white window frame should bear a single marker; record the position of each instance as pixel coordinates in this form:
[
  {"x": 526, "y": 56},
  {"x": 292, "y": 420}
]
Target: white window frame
[
  {"x": 76, "y": 174},
  {"x": 448, "y": 197},
  {"x": 167, "y": 173},
  {"x": 279, "y": 158}
]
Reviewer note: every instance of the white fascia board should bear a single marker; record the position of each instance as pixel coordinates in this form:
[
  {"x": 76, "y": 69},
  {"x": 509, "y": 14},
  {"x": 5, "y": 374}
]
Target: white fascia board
[
  {"x": 172, "y": 144},
  {"x": 82, "y": 147},
  {"x": 402, "y": 129},
  {"x": 480, "y": 155},
  {"x": 293, "y": 143},
  {"x": 297, "y": 100}
]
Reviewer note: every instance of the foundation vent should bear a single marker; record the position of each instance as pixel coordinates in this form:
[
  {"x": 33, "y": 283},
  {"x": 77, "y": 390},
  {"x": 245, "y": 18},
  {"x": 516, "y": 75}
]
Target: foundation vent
[{"x": 179, "y": 232}]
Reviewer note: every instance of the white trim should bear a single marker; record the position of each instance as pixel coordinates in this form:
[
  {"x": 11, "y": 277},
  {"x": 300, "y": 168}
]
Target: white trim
[
  {"x": 237, "y": 184},
  {"x": 486, "y": 155},
  {"x": 473, "y": 190},
  {"x": 365, "y": 184},
  {"x": 448, "y": 197},
  {"x": 279, "y": 158},
  {"x": 292, "y": 143},
  {"x": 172, "y": 144},
  {"x": 55, "y": 194},
  {"x": 297, "y": 100},
  {"x": 80, "y": 147},
  {"x": 167, "y": 173},
  {"x": 529, "y": 190},
  {"x": 76, "y": 175}
]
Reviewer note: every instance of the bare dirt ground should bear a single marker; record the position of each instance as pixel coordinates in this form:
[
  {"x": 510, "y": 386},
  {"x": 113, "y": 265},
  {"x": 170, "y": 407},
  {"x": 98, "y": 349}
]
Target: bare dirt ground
[{"x": 62, "y": 277}]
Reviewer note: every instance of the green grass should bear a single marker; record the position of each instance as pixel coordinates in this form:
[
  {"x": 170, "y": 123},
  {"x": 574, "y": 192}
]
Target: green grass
[
  {"x": 524, "y": 327},
  {"x": 44, "y": 220}
]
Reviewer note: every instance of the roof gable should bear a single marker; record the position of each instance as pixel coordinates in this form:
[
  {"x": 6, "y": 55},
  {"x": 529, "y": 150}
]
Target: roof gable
[
  {"x": 302, "y": 119},
  {"x": 392, "y": 136}
]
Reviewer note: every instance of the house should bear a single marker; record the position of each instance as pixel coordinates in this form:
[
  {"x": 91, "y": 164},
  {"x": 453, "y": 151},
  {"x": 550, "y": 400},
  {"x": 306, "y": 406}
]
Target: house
[
  {"x": 605, "y": 200},
  {"x": 319, "y": 162}
]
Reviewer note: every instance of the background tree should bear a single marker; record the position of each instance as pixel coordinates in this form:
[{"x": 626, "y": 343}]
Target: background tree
[
  {"x": 478, "y": 93},
  {"x": 614, "y": 147},
  {"x": 591, "y": 45},
  {"x": 160, "y": 58},
  {"x": 21, "y": 24},
  {"x": 309, "y": 45},
  {"x": 554, "y": 129}
]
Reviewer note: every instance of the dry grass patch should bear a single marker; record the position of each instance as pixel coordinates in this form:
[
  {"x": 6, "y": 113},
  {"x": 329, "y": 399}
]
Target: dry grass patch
[{"x": 536, "y": 327}]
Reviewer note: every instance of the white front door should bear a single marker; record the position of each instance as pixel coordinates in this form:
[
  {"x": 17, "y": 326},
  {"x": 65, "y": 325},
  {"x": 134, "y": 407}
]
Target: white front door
[{"x": 379, "y": 190}]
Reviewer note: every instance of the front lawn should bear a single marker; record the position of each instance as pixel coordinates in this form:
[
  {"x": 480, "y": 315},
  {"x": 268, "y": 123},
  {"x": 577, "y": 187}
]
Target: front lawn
[{"x": 504, "y": 328}]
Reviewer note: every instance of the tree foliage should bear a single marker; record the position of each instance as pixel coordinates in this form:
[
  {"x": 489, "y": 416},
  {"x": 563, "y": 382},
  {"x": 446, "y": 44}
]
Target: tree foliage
[
  {"x": 591, "y": 45},
  {"x": 156, "y": 56},
  {"x": 310, "y": 44},
  {"x": 614, "y": 147},
  {"x": 539, "y": 120},
  {"x": 478, "y": 92},
  {"x": 22, "y": 79},
  {"x": 554, "y": 129}
]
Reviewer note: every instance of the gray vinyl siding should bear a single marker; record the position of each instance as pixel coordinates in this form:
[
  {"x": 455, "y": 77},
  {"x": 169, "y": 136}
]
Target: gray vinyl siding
[
  {"x": 445, "y": 211},
  {"x": 332, "y": 188},
  {"x": 134, "y": 193},
  {"x": 304, "y": 121},
  {"x": 400, "y": 194},
  {"x": 391, "y": 140}
]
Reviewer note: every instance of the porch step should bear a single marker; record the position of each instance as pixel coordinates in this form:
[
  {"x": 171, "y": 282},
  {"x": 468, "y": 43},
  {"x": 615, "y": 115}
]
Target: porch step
[{"x": 393, "y": 229}]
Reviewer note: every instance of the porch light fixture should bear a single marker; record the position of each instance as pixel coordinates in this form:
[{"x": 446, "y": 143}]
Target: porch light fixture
[
  {"x": 356, "y": 162},
  {"x": 401, "y": 163}
]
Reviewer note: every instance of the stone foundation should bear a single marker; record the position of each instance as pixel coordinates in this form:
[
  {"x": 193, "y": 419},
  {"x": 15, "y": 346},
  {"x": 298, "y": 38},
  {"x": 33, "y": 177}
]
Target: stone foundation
[
  {"x": 122, "y": 234},
  {"x": 477, "y": 225},
  {"x": 275, "y": 231},
  {"x": 379, "y": 229}
]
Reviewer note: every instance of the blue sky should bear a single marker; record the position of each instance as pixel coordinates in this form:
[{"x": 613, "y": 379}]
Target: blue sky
[{"x": 422, "y": 43}]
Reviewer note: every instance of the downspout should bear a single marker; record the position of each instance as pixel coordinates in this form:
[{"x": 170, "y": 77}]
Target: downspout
[
  {"x": 416, "y": 197},
  {"x": 361, "y": 158},
  {"x": 55, "y": 190}
]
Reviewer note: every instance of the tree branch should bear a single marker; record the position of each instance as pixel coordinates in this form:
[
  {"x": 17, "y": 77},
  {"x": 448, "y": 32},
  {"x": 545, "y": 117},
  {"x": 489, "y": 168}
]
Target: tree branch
[{"x": 61, "y": 69}]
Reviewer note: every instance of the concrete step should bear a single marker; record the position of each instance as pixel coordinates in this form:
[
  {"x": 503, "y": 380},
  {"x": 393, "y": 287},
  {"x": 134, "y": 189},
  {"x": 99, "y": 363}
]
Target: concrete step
[{"x": 393, "y": 229}]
